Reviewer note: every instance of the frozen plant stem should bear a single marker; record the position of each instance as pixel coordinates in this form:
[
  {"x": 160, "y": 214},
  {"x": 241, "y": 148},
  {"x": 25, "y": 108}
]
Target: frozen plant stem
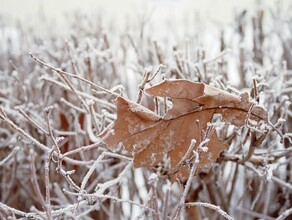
[
  {"x": 72, "y": 75},
  {"x": 36, "y": 185},
  {"x": 6, "y": 208},
  {"x": 83, "y": 148},
  {"x": 258, "y": 194},
  {"x": 91, "y": 170},
  {"x": 188, "y": 185},
  {"x": 142, "y": 85},
  {"x": 210, "y": 206},
  {"x": 166, "y": 200},
  {"x": 32, "y": 121},
  {"x": 5, "y": 118},
  {"x": 102, "y": 196},
  {"x": 93, "y": 116},
  {"x": 147, "y": 79},
  {"x": 44, "y": 148},
  {"x": 55, "y": 147},
  {"x": 187, "y": 154},
  {"x": 47, "y": 183},
  {"x": 86, "y": 95},
  {"x": 9, "y": 156},
  {"x": 63, "y": 76},
  {"x": 154, "y": 200},
  {"x": 103, "y": 186},
  {"x": 285, "y": 214},
  {"x": 97, "y": 162},
  {"x": 251, "y": 149}
]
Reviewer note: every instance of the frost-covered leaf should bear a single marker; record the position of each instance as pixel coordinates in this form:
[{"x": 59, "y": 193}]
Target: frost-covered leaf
[{"x": 150, "y": 136}]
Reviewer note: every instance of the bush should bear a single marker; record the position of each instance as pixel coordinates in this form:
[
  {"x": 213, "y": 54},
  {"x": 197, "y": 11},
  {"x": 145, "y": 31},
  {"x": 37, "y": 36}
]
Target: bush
[{"x": 56, "y": 101}]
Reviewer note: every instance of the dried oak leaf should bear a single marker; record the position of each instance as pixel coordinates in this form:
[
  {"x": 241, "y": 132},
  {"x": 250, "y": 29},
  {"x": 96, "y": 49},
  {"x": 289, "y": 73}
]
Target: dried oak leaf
[{"x": 150, "y": 136}]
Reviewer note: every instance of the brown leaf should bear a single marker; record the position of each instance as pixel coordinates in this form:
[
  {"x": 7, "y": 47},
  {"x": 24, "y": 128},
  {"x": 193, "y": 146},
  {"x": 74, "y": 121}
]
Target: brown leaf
[{"x": 149, "y": 136}]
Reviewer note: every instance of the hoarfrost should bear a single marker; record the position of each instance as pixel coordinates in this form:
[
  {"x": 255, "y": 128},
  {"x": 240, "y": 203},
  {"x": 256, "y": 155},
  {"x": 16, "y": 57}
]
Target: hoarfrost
[{"x": 269, "y": 170}]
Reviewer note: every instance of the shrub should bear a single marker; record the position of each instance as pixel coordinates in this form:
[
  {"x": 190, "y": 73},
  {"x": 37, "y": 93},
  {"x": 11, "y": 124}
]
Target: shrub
[{"x": 56, "y": 102}]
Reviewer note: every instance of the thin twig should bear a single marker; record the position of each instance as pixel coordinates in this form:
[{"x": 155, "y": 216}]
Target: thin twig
[
  {"x": 7, "y": 208},
  {"x": 282, "y": 183},
  {"x": 35, "y": 184},
  {"x": 258, "y": 194},
  {"x": 86, "y": 95},
  {"x": 31, "y": 120},
  {"x": 14, "y": 151},
  {"x": 102, "y": 196},
  {"x": 187, "y": 154},
  {"x": 188, "y": 185},
  {"x": 55, "y": 147},
  {"x": 83, "y": 148},
  {"x": 252, "y": 213},
  {"x": 5, "y": 118},
  {"x": 44, "y": 148},
  {"x": 72, "y": 75},
  {"x": 285, "y": 214},
  {"x": 153, "y": 179},
  {"x": 210, "y": 206},
  {"x": 72, "y": 105},
  {"x": 142, "y": 85},
  {"x": 103, "y": 186},
  {"x": 47, "y": 183},
  {"x": 166, "y": 200}
]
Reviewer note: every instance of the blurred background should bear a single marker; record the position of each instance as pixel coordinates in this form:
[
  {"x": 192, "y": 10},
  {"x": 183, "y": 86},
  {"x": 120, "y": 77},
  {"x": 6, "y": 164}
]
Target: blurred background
[
  {"x": 169, "y": 21},
  {"x": 120, "y": 12}
]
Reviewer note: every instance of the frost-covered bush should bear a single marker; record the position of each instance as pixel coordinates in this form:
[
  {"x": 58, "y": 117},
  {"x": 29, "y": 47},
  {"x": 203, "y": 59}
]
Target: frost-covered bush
[{"x": 57, "y": 100}]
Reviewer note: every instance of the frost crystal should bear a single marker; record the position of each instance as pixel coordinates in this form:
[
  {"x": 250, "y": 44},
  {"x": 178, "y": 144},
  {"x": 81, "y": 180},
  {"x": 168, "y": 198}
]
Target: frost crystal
[
  {"x": 205, "y": 149},
  {"x": 269, "y": 170}
]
